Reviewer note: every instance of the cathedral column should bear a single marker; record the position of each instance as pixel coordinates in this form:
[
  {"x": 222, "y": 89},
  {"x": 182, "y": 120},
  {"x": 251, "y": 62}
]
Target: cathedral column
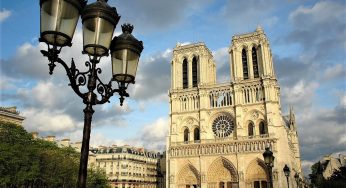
[
  {"x": 249, "y": 63},
  {"x": 189, "y": 72},
  {"x": 231, "y": 66},
  {"x": 239, "y": 69},
  {"x": 266, "y": 60}
]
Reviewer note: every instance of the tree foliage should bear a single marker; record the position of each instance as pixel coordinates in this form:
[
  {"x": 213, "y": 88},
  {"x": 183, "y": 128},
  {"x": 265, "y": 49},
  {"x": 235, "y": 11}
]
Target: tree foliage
[
  {"x": 337, "y": 179},
  {"x": 28, "y": 162}
]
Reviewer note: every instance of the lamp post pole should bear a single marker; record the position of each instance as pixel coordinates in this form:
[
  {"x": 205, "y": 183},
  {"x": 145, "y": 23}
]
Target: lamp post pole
[
  {"x": 296, "y": 177},
  {"x": 58, "y": 21},
  {"x": 269, "y": 161},
  {"x": 287, "y": 173}
]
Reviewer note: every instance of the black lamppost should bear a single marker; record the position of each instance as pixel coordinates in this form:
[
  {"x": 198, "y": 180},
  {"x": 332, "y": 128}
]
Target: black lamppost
[
  {"x": 269, "y": 161},
  {"x": 287, "y": 173},
  {"x": 58, "y": 23},
  {"x": 296, "y": 177}
]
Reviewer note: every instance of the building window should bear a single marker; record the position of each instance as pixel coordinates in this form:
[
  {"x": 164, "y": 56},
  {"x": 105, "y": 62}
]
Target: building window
[
  {"x": 194, "y": 72},
  {"x": 263, "y": 128},
  {"x": 254, "y": 62},
  {"x": 186, "y": 135},
  {"x": 196, "y": 134},
  {"x": 185, "y": 79},
  {"x": 245, "y": 67},
  {"x": 251, "y": 128}
]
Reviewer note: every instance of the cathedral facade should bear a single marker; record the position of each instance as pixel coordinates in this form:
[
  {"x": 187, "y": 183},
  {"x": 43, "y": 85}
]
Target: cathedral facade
[{"x": 219, "y": 131}]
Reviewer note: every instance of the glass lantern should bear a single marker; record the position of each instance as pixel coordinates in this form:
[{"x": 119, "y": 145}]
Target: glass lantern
[
  {"x": 125, "y": 51},
  {"x": 58, "y": 20},
  {"x": 99, "y": 21}
]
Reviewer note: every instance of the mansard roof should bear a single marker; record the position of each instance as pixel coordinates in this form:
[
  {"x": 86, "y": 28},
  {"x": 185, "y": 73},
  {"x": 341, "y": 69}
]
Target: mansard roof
[
  {"x": 11, "y": 112},
  {"x": 127, "y": 149}
]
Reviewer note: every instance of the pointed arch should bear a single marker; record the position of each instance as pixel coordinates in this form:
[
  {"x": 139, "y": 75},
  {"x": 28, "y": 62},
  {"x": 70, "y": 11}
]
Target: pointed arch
[
  {"x": 222, "y": 170},
  {"x": 185, "y": 74},
  {"x": 256, "y": 174},
  {"x": 196, "y": 135},
  {"x": 251, "y": 129},
  {"x": 245, "y": 64},
  {"x": 194, "y": 72},
  {"x": 255, "y": 62},
  {"x": 188, "y": 175},
  {"x": 186, "y": 134},
  {"x": 263, "y": 128}
]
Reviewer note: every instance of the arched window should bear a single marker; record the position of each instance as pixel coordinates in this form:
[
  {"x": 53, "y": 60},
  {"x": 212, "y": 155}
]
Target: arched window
[
  {"x": 245, "y": 68},
  {"x": 196, "y": 134},
  {"x": 185, "y": 80},
  {"x": 263, "y": 128},
  {"x": 186, "y": 135},
  {"x": 254, "y": 62},
  {"x": 194, "y": 72},
  {"x": 251, "y": 128}
]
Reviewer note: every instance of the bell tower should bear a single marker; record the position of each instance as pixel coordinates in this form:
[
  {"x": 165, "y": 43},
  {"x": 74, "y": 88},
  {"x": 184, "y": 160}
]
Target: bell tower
[
  {"x": 192, "y": 65},
  {"x": 250, "y": 56}
]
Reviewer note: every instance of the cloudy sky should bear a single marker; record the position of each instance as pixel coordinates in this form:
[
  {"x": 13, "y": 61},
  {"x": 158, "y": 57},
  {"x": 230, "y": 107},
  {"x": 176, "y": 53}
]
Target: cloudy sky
[{"x": 308, "y": 41}]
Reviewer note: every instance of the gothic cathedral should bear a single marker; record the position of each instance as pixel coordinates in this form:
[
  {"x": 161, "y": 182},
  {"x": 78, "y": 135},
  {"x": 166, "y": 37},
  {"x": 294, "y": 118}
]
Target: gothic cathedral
[{"x": 219, "y": 131}]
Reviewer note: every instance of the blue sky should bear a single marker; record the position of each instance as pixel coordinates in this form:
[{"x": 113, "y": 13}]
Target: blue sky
[{"x": 307, "y": 38}]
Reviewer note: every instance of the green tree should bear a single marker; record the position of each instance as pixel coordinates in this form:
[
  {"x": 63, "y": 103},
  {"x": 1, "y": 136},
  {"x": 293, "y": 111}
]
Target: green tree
[
  {"x": 97, "y": 179},
  {"x": 28, "y": 162}
]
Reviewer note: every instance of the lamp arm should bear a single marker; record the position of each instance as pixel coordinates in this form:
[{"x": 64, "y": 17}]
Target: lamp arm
[
  {"x": 76, "y": 77},
  {"x": 106, "y": 91}
]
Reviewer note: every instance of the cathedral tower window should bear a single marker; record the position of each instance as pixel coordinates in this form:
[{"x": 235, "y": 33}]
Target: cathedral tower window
[
  {"x": 185, "y": 80},
  {"x": 194, "y": 72},
  {"x": 245, "y": 66},
  {"x": 263, "y": 128},
  {"x": 254, "y": 62},
  {"x": 186, "y": 135},
  {"x": 196, "y": 134},
  {"x": 251, "y": 129}
]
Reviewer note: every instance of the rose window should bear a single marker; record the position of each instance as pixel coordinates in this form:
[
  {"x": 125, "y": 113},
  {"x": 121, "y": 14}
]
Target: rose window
[{"x": 223, "y": 126}]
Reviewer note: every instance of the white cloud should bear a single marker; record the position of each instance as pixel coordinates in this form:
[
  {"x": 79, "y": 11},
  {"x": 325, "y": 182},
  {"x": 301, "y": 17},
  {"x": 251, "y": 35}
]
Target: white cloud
[
  {"x": 221, "y": 57},
  {"x": 343, "y": 100},
  {"x": 301, "y": 93},
  {"x": 321, "y": 12},
  {"x": 4, "y": 14},
  {"x": 153, "y": 78},
  {"x": 335, "y": 71},
  {"x": 48, "y": 122},
  {"x": 152, "y": 136},
  {"x": 306, "y": 166}
]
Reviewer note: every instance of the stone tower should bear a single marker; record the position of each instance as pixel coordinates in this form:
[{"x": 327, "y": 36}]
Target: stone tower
[{"x": 219, "y": 131}]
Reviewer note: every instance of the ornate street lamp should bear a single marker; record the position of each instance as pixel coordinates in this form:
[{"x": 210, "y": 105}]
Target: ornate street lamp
[
  {"x": 58, "y": 23},
  {"x": 269, "y": 161},
  {"x": 287, "y": 173},
  {"x": 296, "y": 177}
]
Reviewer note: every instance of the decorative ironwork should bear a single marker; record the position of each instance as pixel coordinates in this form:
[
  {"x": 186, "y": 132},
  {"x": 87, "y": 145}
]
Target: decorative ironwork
[{"x": 90, "y": 78}]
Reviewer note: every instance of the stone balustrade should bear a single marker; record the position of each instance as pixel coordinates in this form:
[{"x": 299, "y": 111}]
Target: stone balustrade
[{"x": 222, "y": 146}]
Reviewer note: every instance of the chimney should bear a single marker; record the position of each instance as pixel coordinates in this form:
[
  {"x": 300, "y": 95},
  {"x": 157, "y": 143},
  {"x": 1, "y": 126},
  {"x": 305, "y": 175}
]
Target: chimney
[
  {"x": 34, "y": 135},
  {"x": 65, "y": 142},
  {"x": 50, "y": 138}
]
